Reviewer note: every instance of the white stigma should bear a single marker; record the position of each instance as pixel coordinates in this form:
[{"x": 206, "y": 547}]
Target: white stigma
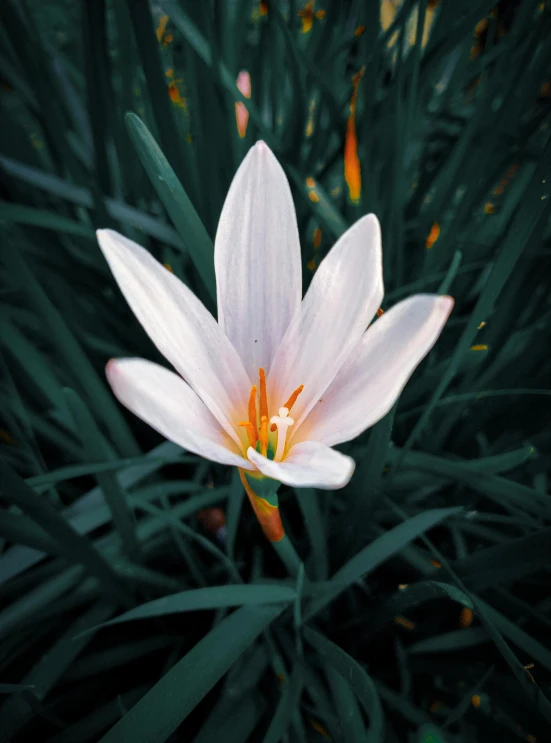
[{"x": 283, "y": 421}]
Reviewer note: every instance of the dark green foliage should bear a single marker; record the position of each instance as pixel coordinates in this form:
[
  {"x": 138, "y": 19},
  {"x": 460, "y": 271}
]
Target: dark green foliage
[{"x": 424, "y": 611}]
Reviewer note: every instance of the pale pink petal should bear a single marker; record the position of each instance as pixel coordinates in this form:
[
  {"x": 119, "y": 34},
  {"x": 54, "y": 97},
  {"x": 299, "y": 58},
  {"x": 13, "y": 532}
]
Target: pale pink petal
[
  {"x": 345, "y": 293},
  {"x": 307, "y": 465},
  {"x": 181, "y": 327},
  {"x": 243, "y": 83},
  {"x": 169, "y": 405},
  {"x": 257, "y": 259},
  {"x": 375, "y": 373}
]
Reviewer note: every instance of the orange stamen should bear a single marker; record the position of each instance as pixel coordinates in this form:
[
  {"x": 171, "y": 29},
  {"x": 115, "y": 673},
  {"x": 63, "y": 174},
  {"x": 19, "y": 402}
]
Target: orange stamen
[
  {"x": 263, "y": 394},
  {"x": 292, "y": 400},
  {"x": 263, "y": 434},
  {"x": 252, "y": 413},
  {"x": 251, "y": 432}
]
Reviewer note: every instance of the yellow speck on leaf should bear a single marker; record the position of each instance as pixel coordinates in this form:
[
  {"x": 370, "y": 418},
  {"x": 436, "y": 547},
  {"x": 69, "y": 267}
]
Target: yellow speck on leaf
[
  {"x": 306, "y": 16},
  {"x": 312, "y": 195},
  {"x": 466, "y": 617},
  {"x": 263, "y": 7},
  {"x": 475, "y": 51},
  {"x": 435, "y": 563},
  {"x": 479, "y": 347},
  {"x": 475, "y": 699},
  {"x": 434, "y": 234},
  {"x": 480, "y": 27},
  {"x": 482, "y": 324},
  {"x": 175, "y": 95},
  {"x": 161, "y": 28},
  {"x": 489, "y": 208},
  {"x": 310, "y": 123},
  {"x": 310, "y": 182},
  {"x": 318, "y": 727},
  {"x": 316, "y": 239},
  {"x": 170, "y": 72},
  {"x": 359, "y": 31},
  {"x": 403, "y": 586},
  {"x": 5, "y": 437},
  {"x": 403, "y": 622},
  {"x": 168, "y": 267},
  {"x": 311, "y": 265}
]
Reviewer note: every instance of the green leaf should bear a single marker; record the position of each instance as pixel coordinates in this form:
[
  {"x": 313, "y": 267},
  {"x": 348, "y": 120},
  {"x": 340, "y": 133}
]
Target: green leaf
[
  {"x": 358, "y": 679},
  {"x": 287, "y": 706},
  {"x": 176, "y": 201},
  {"x": 81, "y": 196},
  {"x": 377, "y": 552},
  {"x": 350, "y": 718},
  {"x": 73, "y": 356},
  {"x": 157, "y": 715},
  {"x": 14, "y": 713},
  {"x": 212, "y": 597},
  {"x": 78, "y": 548},
  {"x": 114, "y": 495},
  {"x": 28, "y": 215}
]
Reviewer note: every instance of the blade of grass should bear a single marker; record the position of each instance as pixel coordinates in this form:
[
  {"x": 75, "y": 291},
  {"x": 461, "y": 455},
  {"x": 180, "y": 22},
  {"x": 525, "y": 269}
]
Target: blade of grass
[
  {"x": 376, "y": 553},
  {"x": 527, "y": 225},
  {"x": 201, "y": 599},
  {"x": 15, "y": 713},
  {"x": 73, "y": 356},
  {"x": 359, "y": 680},
  {"x": 115, "y": 497},
  {"x": 157, "y": 715},
  {"x": 287, "y": 705},
  {"x": 79, "y": 548},
  {"x": 176, "y": 201}
]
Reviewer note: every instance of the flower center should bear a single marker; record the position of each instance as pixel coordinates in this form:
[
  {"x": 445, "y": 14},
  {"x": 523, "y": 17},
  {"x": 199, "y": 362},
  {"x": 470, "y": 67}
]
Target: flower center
[{"x": 268, "y": 435}]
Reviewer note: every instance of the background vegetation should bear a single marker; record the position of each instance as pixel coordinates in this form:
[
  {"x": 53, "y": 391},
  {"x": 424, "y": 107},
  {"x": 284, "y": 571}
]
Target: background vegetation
[{"x": 424, "y": 612}]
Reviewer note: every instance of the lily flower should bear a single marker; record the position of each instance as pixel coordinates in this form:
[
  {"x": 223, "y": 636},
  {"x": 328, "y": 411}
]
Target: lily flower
[{"x": 278, "y": 380}]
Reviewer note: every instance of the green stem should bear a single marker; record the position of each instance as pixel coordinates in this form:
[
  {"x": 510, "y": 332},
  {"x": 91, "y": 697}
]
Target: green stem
[{"x": 288, "y": 555}]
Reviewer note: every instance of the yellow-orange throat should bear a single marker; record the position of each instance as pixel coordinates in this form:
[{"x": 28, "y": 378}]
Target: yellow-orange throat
[{"x": 261, "y": 428}]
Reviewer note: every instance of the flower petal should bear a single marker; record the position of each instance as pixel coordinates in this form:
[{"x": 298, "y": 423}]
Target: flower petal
[
  {"x": 181, "y": 327},
  {"x": 169, "y": 405},
  {"x": 345, "y": 293},
  {"x": 257, "y": 259},
  {"x": 375, "y": 373},
  {"x": 307, "y": 465}
]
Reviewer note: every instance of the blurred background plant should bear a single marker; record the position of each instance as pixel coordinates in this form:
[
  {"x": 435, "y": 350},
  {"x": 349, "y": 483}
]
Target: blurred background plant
[{"x": 424, "y": 610}]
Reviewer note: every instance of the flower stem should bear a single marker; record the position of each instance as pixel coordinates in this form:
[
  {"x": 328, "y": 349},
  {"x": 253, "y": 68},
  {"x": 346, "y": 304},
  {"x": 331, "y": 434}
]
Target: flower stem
[
  {"x": 266, "y": 508},
  {"x": 288, "y": 555}
]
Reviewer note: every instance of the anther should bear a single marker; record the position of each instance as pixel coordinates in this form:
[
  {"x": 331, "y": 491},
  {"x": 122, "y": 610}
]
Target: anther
[
  {"x": 251, "y": 432},
  {"x": 252, "y": 414},
  {"x": 263, "y": 434},
  {"x": 292, "y": 400},
  {"x": 263, "y": 394}
]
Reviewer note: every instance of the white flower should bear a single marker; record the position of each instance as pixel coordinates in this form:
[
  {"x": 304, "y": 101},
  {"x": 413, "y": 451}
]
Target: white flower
[{"x": 327, "y": 378}]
